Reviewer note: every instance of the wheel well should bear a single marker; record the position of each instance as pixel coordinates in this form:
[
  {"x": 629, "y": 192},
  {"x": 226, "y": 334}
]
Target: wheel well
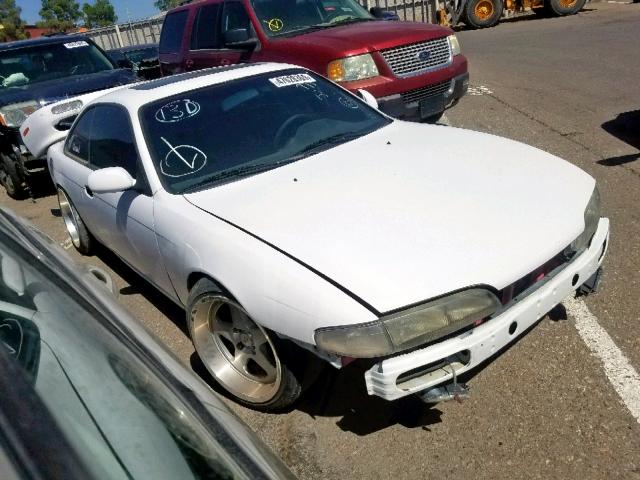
[{"x": 194, "y": 277}]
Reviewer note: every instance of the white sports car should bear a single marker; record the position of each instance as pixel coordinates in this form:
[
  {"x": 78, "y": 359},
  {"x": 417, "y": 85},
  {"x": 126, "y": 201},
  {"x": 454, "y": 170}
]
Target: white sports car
[{"x": 289, "y": 216}]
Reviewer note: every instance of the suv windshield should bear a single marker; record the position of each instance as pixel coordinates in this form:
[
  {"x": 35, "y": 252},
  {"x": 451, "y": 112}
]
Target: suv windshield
[
  {"x": 22, "y": 67},
  {"x": 224, "y": 132},
  {"x": 286, "y": 17}
]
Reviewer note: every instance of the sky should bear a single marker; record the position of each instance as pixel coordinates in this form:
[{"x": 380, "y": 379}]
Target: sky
[{"x": 125, "y": 9}]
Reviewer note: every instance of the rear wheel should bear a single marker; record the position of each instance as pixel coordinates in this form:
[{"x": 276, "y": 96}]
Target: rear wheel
[
  {"x": 563, "y": 7},
  {"x": 482, "y": 13},
  {"x": 251, "y": 364},
  {"x": 10, "y": 178},
  {"x": 77, "y": 230}
]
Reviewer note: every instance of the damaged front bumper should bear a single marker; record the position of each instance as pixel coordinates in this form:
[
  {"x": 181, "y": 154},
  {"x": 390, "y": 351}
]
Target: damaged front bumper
[{"x": 439, "y": 363}]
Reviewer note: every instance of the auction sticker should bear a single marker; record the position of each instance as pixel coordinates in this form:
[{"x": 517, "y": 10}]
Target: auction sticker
[
  {"x": 296, "y": 79},
  {"x": 79, "y": 43}
]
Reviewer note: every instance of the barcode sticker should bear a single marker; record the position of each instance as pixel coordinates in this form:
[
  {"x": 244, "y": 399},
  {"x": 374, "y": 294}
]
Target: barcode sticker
[{"x": 295, "y": 79}]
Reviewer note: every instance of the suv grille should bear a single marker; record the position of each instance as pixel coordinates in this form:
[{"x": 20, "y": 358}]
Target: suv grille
[
  {"x": 424, "y": 92},
  {"x": 411, "y": 59}
]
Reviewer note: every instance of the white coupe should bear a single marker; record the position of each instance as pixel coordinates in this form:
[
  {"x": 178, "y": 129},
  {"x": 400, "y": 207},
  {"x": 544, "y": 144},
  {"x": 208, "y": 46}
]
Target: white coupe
[{"x": 288, "y": 216}]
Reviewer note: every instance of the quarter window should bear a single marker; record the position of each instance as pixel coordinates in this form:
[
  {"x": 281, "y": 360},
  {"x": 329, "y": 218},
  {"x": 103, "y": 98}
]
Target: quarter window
[
  {"x": 111, "y": 140},
  {"x": 78, "y": 140},
  {"x": 172, "y": 30},
  {"x": 205, "y": 28}
]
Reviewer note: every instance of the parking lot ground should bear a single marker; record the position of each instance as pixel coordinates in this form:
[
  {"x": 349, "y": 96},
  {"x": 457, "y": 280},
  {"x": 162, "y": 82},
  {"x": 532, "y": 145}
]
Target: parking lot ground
[{"x": 544, "y": 408}]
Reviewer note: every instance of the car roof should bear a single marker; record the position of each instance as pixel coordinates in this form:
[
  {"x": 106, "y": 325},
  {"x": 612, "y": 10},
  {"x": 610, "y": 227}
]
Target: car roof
[
  {"x": 138, "y": 94},
  {"x": 42, "y": 41}
]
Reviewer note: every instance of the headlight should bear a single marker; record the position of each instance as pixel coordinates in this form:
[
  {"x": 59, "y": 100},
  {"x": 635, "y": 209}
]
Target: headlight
[
  {"x": 591, "y": 219},
  {"x": 66, "y": 107},
  {"x": 13, "y": 115},
  {"x": 409, "y": 328},
  {"x": 352, "y": 68},
  {"x": 454, "y": 44}
]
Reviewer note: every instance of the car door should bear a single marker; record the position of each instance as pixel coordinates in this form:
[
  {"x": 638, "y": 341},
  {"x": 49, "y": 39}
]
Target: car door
[{"x": 207, "y": 48}]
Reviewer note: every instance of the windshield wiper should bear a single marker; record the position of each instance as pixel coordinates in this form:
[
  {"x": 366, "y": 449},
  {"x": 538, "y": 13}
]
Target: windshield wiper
[
  {"x": 234, "y": 172},
  {"x": 325, "y": 142}
]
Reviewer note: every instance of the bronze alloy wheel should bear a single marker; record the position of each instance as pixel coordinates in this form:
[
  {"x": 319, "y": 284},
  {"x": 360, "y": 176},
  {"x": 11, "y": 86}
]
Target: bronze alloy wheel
[
  {"x": 484, "y": 9},
  {"x": 234, "y": 349}
]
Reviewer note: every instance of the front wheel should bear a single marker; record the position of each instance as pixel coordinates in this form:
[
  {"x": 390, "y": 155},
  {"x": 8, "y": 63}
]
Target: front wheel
[
  {"x": 240, "y": 355},
  {"x": 10, "y": 178},
  {"x": 482, "y": 13},
  {"x": 77, "y": 230}
]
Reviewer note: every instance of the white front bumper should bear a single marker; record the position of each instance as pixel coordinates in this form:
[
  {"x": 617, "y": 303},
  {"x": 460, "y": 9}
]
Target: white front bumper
[{"x": 484, "y": 341}]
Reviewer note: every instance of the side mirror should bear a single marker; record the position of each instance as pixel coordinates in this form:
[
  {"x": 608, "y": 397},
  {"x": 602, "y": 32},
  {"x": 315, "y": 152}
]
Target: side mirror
[
  {"x": 368, "y": 98},
  {"x": 239, "y": 38},
  {"x": 382, "y": 14},
  {"x": 110, "y": 180}
]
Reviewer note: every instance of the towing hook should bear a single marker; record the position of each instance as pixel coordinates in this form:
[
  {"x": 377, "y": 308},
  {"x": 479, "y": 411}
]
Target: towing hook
[{"x": 444, "y": 393}]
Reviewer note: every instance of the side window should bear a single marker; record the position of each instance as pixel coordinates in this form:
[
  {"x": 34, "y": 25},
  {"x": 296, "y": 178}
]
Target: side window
[
  {"x": 111, "y": 140},
  {"x": 234, "y": 16},
  {"x": 205, "y": 28},
  {"x": 172, "y": 30},
  {"x": 78, "y": 140}
]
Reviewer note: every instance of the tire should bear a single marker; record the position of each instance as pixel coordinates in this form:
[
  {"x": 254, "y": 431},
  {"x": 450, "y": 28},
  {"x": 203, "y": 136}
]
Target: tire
[
  {"x": 10, "y": 178},
  {"x": 559, "y": 8},
  {"x": 77, "y": 230},
  {"x": 482, "y": 13},
  {"x": 254, "y": 367}
]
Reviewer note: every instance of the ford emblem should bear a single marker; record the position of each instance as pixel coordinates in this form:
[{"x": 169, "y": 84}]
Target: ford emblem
[{"x": 424, "y": 55}]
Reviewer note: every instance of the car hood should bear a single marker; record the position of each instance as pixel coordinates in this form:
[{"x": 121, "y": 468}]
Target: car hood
[
  {"x": 61, "y": 88},
  {"x": 412, "y": 211},
  {"x": 370, "y": 36}
]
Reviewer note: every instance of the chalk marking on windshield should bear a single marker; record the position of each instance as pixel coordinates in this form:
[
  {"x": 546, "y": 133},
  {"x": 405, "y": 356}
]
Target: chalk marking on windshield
[
  {"x": 197, "y": 163},
  {"x": 348, "y": 102},
  {"x": 79, "y": 43},
  {"x": 295, "y": 79},
  {"x": 177, "y": 110}
]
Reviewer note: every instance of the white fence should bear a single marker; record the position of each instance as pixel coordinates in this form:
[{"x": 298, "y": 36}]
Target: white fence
[{"x": 126, "y": 34}]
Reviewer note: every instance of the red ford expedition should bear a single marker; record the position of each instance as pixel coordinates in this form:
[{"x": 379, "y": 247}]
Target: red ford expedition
[{"x": 415, "y": 70}]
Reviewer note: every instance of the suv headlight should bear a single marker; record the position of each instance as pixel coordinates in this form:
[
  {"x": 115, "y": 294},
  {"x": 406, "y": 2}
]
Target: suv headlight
[
  {"x": 454, "y": 45},
  {"x": 409, "y": 328},
  {"x": 13, "y": 115},
  {"x": 591, "y": 219},
  {"x": 348, "y": 69}
]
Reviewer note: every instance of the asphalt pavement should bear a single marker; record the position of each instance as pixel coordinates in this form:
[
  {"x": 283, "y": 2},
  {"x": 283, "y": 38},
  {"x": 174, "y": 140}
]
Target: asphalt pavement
[{"x": 551, "y": 406}]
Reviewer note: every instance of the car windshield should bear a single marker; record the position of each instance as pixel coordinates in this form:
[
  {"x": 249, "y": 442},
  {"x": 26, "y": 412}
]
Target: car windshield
[
  {"x": 22, "y": 67},
  {"x": 122, "y": 417},
  {"x": 290, "y": 17},
  {"x": 137, "y": 56},
  {"x": 227, "y": 131}
]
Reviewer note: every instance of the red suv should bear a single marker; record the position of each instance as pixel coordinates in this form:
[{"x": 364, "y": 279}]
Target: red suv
[{"x": 415, "y": 70}]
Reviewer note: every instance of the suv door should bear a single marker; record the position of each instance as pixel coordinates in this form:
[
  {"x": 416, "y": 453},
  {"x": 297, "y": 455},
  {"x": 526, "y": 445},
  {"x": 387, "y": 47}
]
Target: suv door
[{"x": 207, "y": 42}]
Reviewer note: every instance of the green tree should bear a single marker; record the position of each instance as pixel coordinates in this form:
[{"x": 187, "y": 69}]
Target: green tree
[
  {"x": 59, "y": 15},
  {"x": 11, "y": 25},
  {"x": 164, "y": 5},
  {"x": 100, "y": 14}
]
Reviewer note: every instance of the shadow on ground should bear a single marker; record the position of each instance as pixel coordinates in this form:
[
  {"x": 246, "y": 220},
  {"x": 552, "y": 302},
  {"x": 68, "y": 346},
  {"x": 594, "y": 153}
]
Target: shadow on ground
[{"x": 625, "y": 127}]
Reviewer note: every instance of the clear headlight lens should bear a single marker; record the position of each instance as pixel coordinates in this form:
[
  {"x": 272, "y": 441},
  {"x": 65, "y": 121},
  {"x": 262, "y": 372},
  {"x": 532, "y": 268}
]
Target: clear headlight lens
[
  {"x": 66, "y": 107},
  {"x": 591, "y": 219},
  {"x": 13, "y": 115},
  {"x": 348, "y": 69},
  {"x": 409, "y": 328},
  {"x": 454, "y": 44}
]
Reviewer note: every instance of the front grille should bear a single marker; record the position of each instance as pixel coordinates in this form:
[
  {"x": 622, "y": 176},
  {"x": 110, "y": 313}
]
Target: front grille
[
  {"x": 424, "y": 92},
  {"x": 406, "y": 60}
]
